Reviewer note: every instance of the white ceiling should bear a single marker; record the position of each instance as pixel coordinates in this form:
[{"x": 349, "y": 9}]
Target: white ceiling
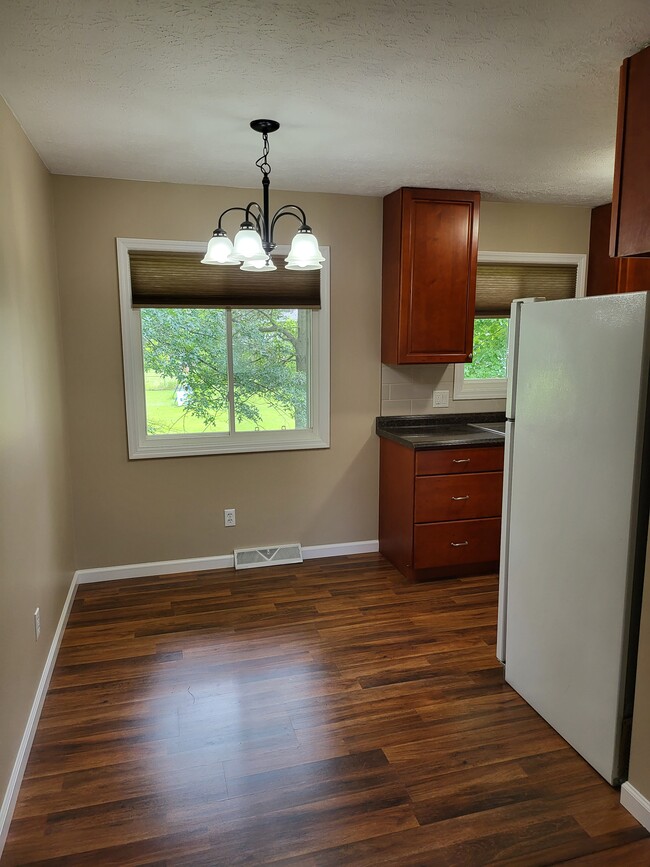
[{"x": 515, "y": 98}]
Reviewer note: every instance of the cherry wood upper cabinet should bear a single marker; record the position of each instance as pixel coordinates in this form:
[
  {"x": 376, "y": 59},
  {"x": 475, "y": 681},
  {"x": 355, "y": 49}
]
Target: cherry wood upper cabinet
[
  {"x": 607, "y": 275},
  {"x": 429, "y": 275},
  {"x": 630, "y": 229}
]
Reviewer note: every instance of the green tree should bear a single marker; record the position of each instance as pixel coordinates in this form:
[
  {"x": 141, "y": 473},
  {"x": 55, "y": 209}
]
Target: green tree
[
  {"x": 270, "y": 360},
  {"x": 490, "y": 349}
]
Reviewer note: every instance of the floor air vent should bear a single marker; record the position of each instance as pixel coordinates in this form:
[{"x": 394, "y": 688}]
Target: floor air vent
[{"x": 252, "y": 558}]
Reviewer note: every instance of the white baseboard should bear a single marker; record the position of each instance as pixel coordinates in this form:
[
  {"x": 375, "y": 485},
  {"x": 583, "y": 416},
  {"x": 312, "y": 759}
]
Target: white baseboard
[
  {"x": 148, "y": 570},
  {"x": 315, "y": 552},
  {"x": 13, "y": 786},
  {"x": 203, "y": 564},
  {"x": 636, "y": 803}
]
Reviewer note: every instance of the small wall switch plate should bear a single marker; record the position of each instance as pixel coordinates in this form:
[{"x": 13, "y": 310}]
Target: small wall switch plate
[
  {"x": 37, "y": 623},
  {"x": 229, "y": 519},
  {"x": 441, "y": 398}
]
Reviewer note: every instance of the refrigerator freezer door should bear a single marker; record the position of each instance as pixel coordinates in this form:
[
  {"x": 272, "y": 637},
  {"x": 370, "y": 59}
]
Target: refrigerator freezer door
[
  {"x": 582, "y": 382},
  {"x": 505, "y": 538},
  {"x": 513, "y": 351}
]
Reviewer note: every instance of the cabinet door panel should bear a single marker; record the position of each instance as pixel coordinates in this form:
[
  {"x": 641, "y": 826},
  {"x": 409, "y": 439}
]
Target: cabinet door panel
[
  {"x": 434, "y": 317},
  {"x": 456, "y": 543},
  {"x": 458, "y": 497}
]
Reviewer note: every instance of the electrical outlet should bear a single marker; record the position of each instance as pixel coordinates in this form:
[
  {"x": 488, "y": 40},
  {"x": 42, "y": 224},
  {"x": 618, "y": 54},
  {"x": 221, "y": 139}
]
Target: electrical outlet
[
  {"x": 229, "y": 519},
  {"x": 37, "y": 623},
  {"x": 441, "y": 398}
]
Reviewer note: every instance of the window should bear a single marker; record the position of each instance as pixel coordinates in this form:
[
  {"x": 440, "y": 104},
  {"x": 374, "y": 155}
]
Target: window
[
  {"x": 209, "y": 365},
  {"x": 502, "y": 277}
]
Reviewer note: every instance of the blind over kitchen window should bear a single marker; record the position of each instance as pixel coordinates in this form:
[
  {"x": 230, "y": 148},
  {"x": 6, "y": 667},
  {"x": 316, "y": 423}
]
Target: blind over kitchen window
[
  {"x": 175, "y": 279},
  {"x": 499, "y": 283}
]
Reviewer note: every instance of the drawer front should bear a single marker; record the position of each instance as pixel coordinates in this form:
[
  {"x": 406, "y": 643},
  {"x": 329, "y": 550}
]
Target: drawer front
[
  {"x": 456, "y": 543},
  {"x": 436, "y": 462},
  {"x": 458, "y": 497}
]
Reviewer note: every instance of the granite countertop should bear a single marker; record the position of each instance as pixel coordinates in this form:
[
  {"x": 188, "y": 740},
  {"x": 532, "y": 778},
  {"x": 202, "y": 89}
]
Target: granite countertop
[{"x": 442, "y": 431}]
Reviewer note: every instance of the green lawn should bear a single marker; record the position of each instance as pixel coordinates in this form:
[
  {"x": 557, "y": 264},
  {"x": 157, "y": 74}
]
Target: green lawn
[{"x": 165, "y": 417}]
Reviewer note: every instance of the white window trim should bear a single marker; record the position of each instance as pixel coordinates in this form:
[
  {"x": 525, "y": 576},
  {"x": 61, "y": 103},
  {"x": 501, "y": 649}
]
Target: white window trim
[
  {"x": 144, "y": 445},
  {"x": 489, "y": 389}
]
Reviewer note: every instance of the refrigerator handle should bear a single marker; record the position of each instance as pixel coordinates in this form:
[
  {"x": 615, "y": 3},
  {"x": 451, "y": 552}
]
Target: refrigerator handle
[{"x": 513, "y": 350}]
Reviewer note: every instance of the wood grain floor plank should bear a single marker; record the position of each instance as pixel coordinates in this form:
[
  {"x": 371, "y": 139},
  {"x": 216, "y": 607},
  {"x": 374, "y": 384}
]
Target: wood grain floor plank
[{"x": 330, "y": 713}]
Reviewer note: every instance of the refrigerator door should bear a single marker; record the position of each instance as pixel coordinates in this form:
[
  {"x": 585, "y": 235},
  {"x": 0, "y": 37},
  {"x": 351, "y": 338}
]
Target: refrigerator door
[
  {"x": 505, "y": 539},
  {"x": 513, "y": 351},
  {"x": 581, "y": 390}
]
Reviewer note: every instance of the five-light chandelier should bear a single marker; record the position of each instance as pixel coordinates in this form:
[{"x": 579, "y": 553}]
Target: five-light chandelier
[{"x": 254, "y": 242}]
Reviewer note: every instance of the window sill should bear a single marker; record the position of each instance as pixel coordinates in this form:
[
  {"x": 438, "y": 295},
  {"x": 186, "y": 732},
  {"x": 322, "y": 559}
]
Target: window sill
[
  {"x": 179, "y": 445},
  {"x": 477, "y": 389}
]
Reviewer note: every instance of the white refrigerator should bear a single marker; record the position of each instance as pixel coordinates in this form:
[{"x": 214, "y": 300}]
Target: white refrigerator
[{"x": 575, "y": 516}]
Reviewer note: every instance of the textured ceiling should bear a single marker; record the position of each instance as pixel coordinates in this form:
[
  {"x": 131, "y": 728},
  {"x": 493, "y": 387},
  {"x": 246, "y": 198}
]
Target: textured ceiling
[{"x": 512, "y": 97}]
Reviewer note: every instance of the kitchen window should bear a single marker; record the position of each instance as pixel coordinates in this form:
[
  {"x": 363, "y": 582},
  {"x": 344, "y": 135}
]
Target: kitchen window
[
  {"x": 217, "y": 360},
  {"x": 502, "y": 277}
]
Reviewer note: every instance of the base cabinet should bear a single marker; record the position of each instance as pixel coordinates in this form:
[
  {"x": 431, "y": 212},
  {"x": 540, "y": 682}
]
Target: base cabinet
[{"x": 440, "y": 510}]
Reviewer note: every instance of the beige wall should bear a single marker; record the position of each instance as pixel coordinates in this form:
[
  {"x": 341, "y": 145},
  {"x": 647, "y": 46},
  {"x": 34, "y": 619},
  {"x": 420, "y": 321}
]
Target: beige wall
[
  {"x": 158, "y": 509},
  {"x": 513, "y": 228},
  {"x": 35, "y": 518},
  {"x": 522, "y": 228}
]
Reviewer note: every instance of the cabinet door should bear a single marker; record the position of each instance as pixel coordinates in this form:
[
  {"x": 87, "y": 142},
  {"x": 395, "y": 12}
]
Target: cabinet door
[
  {"x": 630, "y": 231},
  {"x": 429, "y": 276}
]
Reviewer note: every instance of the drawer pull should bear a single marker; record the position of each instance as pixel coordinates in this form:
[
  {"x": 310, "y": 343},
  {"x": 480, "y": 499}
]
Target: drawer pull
[
  {"x": 460, "y": 460},
  {"x": 461, "y": 498},
  {"x": 459, "y": 544}
]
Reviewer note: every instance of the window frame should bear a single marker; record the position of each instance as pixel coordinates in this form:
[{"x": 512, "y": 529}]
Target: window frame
[
  {"x": 491, "y": 389},
  {"x": 144, "y": 445}
]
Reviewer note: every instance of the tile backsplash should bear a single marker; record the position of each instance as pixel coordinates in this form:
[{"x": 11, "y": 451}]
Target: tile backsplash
[{"x": 407, "y": 389}]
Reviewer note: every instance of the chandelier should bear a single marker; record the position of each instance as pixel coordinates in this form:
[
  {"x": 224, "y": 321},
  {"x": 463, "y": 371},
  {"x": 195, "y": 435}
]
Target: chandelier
[{"x": 254, "y": 241}]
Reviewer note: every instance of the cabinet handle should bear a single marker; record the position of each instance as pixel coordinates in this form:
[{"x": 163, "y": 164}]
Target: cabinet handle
[
  {"x": 459, "y": 544},
  {"x": 460, "y": 460},
  {"x": 461, "y": 498}
]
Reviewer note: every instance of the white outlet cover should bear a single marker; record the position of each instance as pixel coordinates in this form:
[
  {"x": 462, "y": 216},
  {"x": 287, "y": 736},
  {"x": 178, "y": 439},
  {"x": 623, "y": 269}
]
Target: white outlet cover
[{"x": 441, "y": 398}]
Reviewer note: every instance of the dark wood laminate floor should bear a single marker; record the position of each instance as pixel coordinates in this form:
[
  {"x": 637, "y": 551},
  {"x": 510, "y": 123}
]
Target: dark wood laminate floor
[{"x": 325, "y": 714}]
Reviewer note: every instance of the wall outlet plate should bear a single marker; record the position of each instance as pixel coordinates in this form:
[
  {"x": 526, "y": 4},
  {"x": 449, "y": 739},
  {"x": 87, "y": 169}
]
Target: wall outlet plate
[
  {"x": 37, "y": 623},
  {"x": 229, "y": 518},
  {"x": 441, "y": 398}
]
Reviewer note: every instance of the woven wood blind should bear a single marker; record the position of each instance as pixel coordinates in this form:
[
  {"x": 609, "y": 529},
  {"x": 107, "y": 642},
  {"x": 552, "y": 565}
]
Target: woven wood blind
[
  {"x": 499, "y": 283},
  {"x": 175, "y": 279}
]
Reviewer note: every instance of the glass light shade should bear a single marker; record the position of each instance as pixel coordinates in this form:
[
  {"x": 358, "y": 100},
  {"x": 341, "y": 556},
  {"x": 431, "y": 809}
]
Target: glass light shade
[
  {"x": 248, "y": 245},
  {"x": 304, "y": 254},
  {"x": 220, "y": 252},
  {"x": 259, "y": 265},
  {"x": 304, "y": 266}
]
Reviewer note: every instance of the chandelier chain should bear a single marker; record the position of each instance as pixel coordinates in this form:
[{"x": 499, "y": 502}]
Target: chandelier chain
[{"x": 262, "y": 163}]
